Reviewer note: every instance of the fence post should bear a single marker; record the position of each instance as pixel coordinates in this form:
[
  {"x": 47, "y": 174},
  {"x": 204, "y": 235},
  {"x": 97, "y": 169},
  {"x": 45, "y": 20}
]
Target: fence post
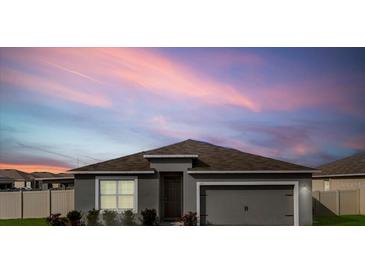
[
  {"x": 50, "y": 201},
  {"x": 358, "y": 201},
  {"x": 21, "y": 204},
  {"x": 338, "y": 202}
]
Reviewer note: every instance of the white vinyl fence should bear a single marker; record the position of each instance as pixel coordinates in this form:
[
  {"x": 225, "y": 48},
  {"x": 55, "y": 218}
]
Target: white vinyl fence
[{"x": 35, "y": 204}]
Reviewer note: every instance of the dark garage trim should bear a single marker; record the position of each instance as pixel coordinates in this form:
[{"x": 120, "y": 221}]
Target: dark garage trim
[{"x": 271, "y": 183}]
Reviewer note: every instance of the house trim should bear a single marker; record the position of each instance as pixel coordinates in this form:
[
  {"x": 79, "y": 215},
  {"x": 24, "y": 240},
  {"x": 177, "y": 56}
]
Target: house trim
[
  {"x": 113, "y": 172},
  {"x": 338, "y": 175},
  {"x": 54, "y": 178},
  {"x": 249, "y": 171},
  {"x": 97, "y": 196},
  {"x": 293, "y": 183}
]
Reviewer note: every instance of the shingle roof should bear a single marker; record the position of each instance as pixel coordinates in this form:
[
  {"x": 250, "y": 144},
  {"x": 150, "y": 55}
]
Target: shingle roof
[
  {"x": 5, "y": 180},
  {"x": 16, "y": 174},
  {"x": 211, "y": 158},
  {"x": 351, "y": 165},
  {"x": 43, "y": 174}
]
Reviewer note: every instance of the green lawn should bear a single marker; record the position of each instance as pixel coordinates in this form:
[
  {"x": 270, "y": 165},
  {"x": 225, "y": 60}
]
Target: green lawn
[
  {"x": 23, "y": 222},
  {"x": 348, "y": 220}
]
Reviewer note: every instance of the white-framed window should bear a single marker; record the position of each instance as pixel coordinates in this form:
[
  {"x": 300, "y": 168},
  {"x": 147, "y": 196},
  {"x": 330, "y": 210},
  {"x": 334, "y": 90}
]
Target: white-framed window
[{"x": 116, "y": 193}]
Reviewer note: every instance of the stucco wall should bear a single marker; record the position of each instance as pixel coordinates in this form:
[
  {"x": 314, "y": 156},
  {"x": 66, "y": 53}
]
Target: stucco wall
[
  {"x": 317, "y": 185},
  {"x": 339, "y": 183},
  {"x": 84, "y": 192},
  {"x": 149, "y": 186},
  {"x": 148, "y": 191}
]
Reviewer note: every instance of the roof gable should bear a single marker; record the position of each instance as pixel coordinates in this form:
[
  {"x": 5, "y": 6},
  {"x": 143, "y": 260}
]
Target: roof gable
[{"x": 210, "y": 158}]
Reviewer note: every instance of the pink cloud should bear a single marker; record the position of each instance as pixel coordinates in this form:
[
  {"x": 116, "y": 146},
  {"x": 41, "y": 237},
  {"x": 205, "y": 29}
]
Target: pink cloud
[
  {"x": 136, "y": 68},
  {"x": 33, "y": 167},
  {"x": 160, "y": 75},
  {"x": 164, "y": 127},
  {"x": 72, "y": 71},
  {"x": 229, "y": 58},
  {"x": 303, "y": 149},
  {"x": 356, "y": 142},
  {"x": 53, "y": 88},
  {"x": 307, "y": 94},
  {"x": 117, "y": 72}
]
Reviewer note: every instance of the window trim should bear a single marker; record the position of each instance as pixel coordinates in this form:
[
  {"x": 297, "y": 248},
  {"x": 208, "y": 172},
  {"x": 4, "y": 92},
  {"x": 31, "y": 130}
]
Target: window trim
[{"x": 97, "y": 189}]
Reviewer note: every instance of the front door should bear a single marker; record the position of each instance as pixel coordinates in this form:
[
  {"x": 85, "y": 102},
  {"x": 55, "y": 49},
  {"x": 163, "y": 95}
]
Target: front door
[{"x": 172, "y": 195}]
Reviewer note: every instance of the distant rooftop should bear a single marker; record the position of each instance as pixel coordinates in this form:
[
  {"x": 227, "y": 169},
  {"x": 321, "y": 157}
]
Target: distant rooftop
[{"x": 351, "y": 166}]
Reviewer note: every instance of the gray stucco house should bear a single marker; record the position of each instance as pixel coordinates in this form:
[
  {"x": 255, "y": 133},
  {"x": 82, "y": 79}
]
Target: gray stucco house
[{"x": 224, "y": 186}]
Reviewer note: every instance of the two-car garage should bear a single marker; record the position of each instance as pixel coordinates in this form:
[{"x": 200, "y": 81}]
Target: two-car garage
[{"x": 247, "y": 204}]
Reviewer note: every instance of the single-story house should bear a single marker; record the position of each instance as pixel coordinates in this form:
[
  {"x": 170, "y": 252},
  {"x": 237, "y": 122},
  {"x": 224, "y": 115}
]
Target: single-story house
[
  {"x": 6, "y": 182},
  {"x": 47, "y": 180},
  {"x": 344, "y": 174},
  {"x": 21, "y": 179},
  {"x": 224, "y": 186}
]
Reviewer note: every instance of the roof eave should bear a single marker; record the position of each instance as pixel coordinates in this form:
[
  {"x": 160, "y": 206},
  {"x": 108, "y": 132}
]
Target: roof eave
[
  {"x": 54, "y": 178},
  {"x": 249, "y": 171},
  {"x": 339, "y": 175},
  {"x": 111, "y": 172}
]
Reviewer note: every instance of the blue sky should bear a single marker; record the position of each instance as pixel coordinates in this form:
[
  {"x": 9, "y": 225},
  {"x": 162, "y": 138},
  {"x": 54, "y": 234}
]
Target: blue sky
[{"x": 64, "y": 107}]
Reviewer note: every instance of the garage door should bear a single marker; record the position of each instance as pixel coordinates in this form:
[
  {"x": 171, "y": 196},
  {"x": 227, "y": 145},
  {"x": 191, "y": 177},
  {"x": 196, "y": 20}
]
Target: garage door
[{"x": 246, "y": 205}]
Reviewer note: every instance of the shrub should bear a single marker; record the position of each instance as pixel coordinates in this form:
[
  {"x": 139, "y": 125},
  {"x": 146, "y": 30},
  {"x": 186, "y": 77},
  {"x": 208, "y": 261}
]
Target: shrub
[
  {"x": 149, "y": 217},
  {"x": 128, "y": 218},
  {"x": 57, "y": 220},
  {"x": 74, "y": 217},
  {"x": 110, "y": 217},
  {"x": 189, "y": 219},
  {"x": 93, "y": 217}
]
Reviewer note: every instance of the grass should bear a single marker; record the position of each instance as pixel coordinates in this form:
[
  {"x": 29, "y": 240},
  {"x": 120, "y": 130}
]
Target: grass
[
  {"x": 348, "y": 220},
  {"x": 23, "y": 222}
]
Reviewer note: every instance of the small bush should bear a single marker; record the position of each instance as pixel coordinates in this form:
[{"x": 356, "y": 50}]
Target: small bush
[
  {"x": 128, "y": 218},
  {"x": 110, "y": 217},
  {"x": 93, "y": 217},
  {"x": 149, "y": 217},
  {"x": 74, "y": 217},
  {"x": 57, "y": 220},
  {"x": 189, "y": 219}
]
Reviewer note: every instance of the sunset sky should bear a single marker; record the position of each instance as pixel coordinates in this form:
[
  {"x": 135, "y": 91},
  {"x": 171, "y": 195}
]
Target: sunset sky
[{"x": 66, "y": 107}]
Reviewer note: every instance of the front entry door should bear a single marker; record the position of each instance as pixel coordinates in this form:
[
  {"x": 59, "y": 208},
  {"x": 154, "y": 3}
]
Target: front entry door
[{"x": 172, "y": 196}]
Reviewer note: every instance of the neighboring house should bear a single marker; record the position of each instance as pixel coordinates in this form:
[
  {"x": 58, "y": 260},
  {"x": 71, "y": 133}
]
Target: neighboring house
[
  {"x": 21, "y": 179},
  {"x": 343, "y": 174},
  {"x": 36, "y": 180},
  {"x": 47, "y": 180},
  {"x": 6, "y": 182},
  {"x": 224, "y": 186}
]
